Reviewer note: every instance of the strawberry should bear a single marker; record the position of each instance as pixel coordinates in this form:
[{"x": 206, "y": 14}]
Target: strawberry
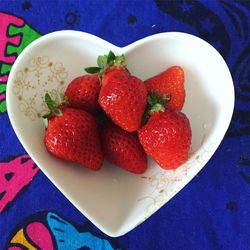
[
  {"x": 170, "y": 82},
  {"x": 122, "y": 95},
  {"x": 113, "y": 72},
  {"x": 72, "y": 135},
  {"x": 123, "y": 149},
  {"x": 166, "y": 137},
  {"x": 124, "y": 100},
  {"x": 83, "y": 93}
]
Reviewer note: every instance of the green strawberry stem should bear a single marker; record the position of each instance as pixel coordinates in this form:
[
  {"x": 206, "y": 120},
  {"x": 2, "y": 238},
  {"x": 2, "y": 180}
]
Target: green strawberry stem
[
  {"x": 106, "y": 61},
  {"x": 155, "y": 104},
  {"x": 54, "y": 106}
]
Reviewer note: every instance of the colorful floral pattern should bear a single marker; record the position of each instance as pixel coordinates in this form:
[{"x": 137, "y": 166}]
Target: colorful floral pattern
[{"x": 219, "y": 195}]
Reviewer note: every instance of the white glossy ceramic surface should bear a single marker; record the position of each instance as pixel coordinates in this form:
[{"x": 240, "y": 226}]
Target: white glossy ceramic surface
[{"x": 114, "y": 200}]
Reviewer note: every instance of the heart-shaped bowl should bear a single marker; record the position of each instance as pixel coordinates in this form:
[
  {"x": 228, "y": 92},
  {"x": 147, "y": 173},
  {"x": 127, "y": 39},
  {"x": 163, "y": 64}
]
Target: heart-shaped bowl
[{"x": 113, "y": 199}]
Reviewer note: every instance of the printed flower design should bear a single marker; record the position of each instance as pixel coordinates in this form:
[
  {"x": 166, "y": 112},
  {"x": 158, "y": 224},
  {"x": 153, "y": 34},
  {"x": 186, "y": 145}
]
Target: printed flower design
[
  {"x": 166, "y": 183},
  {"x": 39, "y": 76}
]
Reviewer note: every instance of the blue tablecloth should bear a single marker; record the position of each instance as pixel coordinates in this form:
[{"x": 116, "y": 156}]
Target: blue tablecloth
[{"x": 211, "y": 212}]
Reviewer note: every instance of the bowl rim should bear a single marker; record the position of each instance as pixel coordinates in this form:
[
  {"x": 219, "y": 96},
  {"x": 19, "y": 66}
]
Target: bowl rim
[{"x": 62, "y": 33}]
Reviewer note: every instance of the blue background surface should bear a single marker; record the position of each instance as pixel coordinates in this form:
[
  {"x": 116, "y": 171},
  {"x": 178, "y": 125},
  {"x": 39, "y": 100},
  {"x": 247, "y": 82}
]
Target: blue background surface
[{"x": 212, "y": 211}]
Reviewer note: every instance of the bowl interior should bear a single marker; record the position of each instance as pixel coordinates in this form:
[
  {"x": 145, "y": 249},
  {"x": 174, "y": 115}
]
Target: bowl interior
[{"x": 114, "y": 200}]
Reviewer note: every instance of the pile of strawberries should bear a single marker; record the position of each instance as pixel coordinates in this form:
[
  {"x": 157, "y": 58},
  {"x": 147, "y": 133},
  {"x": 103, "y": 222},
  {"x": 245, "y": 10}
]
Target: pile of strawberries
[{"x": 109, "y": 113}]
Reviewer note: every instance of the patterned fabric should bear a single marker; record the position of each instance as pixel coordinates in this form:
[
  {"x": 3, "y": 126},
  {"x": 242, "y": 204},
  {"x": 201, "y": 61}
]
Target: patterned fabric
[{"x": 211, "y": 212}]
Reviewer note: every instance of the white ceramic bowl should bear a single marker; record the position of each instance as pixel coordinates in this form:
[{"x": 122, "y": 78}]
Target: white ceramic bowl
[{"x": 114, "y": 200}]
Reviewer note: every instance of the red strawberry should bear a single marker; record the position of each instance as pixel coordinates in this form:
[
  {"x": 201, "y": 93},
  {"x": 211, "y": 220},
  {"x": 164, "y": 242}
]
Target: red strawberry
[
  {"x": 122, "y": 96},
  {"x": 166, "y": 137},
  {"x": 124, "y": 100},
  {"x": 72, "y": 135},
  {"x": 123, "y": 149},
  {"x": 170, "y": 82},
  {"x": 113, "y": 72},
  {"x": 83, "y": 93}
]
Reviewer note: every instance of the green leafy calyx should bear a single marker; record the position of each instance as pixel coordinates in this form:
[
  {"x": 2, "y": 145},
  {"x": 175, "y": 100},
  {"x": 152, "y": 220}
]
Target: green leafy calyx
[
  {"x": 155, "y": 104},
  {"x": 106, "y": 61},
  {"x": 54, "y": 106}
]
